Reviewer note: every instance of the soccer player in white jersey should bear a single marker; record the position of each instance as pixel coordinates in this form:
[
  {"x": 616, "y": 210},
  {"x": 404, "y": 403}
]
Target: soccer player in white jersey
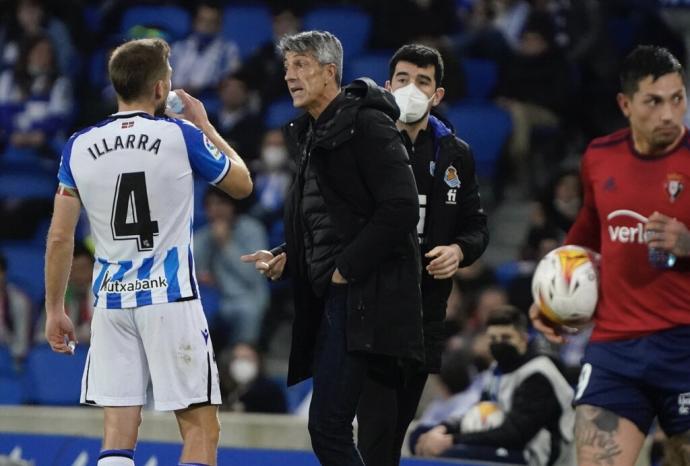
[{"x": 133, "y": 174}]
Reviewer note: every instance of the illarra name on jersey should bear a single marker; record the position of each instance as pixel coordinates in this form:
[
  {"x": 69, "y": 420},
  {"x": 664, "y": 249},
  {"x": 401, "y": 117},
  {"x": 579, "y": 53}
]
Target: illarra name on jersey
[{"x": 132, "y": 141}]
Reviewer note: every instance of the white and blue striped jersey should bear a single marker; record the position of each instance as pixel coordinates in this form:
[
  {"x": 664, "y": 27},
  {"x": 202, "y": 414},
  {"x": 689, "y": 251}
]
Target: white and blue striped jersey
[{"x": 133, "y": 173}]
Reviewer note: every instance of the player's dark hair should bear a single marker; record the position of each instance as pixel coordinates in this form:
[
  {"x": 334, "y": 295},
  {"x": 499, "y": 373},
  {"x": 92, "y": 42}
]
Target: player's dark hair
[
  {"x": 647, "y": 60},
  {"x": 420, "y": 55},
  {"x": 135, "y": 66},
  {"x": 507, "y": 315}
]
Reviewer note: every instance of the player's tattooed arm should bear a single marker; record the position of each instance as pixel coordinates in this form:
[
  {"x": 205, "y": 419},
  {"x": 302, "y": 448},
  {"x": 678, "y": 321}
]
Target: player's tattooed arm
[
  {"x": 596, "y": 432},
  {"x": 677, "y": 450}
]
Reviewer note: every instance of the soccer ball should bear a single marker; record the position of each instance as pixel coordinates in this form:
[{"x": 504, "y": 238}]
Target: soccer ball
[
  {"x": 565, "y": 285},
  {"x": 483, "y": 416}
]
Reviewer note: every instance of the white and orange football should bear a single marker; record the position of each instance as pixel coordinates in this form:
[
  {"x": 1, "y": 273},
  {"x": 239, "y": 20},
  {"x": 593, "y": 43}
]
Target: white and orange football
[{"x": 565, "y": 285}]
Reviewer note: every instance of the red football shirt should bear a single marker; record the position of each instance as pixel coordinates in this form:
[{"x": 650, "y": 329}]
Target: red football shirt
[{"x": 621, "y": 190}]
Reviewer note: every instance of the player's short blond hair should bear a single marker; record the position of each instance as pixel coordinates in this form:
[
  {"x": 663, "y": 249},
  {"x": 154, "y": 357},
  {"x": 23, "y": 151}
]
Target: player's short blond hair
[{"x": 135, "y": 66}]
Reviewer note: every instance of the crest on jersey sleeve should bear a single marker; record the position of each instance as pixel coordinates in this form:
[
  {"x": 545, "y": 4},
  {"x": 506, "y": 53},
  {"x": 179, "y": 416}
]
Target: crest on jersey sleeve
[
  {"x": 674, "y": 185},
  {"x": 215, "y": 152}
]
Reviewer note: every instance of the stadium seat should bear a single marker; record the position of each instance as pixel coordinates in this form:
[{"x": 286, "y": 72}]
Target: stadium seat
[
  {"x": 280, "y": 112},
  {"x": 371, "y": 65},
  {"x": 175, "y": 21},
  {"x": 297, "y": 393},
  {"x": 25, "y": 269},
  {"x": 6, "y": 362},
  {"x": 11, "y": 390},
  {"x": 485, "y": 127},
  {"x": 53, "y": 378},
  {"x": 481, "y": 77},
  {"x": 349, "y": 24},
  {"x": 249, "y": 26},
  {"x": 18, "y": 185},
  {"x": 210, "y": 301}
]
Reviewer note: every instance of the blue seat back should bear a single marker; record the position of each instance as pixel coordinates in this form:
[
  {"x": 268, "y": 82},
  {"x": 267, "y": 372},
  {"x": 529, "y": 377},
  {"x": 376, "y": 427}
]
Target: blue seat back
[
  {"x": 249, "y": 26},
  {"x": 279, "y": 113},
  {"x": 480, "y": 77},
  {"x": 371, "y": 65},
  {"x": 485, "y": 127},
  {"x": 53, "y": 378},
  {"x": 25, "y": 266},
  {"x": 350, "y": 24}
]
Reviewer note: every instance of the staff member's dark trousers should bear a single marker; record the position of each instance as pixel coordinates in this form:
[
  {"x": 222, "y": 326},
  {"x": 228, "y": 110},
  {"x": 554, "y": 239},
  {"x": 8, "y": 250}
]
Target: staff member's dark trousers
[
  {"x": 385, "y": 411},
  {"x": 338, "y": 380}
]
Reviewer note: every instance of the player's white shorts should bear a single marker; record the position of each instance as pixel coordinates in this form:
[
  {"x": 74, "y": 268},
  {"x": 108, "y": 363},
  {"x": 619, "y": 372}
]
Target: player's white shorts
[{"x": 168, "y": 343}]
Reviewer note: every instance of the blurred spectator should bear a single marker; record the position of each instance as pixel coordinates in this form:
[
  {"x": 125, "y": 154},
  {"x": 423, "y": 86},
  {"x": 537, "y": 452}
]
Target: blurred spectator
[
  {"x": 16, "y": 317},
  {"x": 79, "y": 297},
  {"x": 559, "y": 203},
  {"x": 30, "y": 20},
  {"x": 405, "y": 21},
  {"x": 265, "y": 67},
  {"x": 461, "y": 388},
  {"x": 238, "y": 119},
  {"x": 200, "y": 61},
  {"x": 35, "y": 99},
  {"x": 245, "y": 387},
  {"x": 217, "y": 250},
  {"x": 534, "y": 87},
  {"x": 530, "y": 391},
  {"x": 274, "y": 174}
]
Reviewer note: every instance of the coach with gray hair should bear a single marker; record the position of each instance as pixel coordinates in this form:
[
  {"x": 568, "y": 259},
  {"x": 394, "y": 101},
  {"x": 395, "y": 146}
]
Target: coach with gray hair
[{"x": 351, "y": 246}]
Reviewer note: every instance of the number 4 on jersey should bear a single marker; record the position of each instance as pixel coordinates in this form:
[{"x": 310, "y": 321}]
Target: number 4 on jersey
[{"x": 131, "y": 196}]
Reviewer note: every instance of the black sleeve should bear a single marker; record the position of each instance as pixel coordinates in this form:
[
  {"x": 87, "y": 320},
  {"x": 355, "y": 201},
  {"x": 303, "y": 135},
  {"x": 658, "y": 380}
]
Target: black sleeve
[
  {"x": 384, "y": 167},
  {"x": 472, "y": 233},
  {"x": 534, "y": 407}
]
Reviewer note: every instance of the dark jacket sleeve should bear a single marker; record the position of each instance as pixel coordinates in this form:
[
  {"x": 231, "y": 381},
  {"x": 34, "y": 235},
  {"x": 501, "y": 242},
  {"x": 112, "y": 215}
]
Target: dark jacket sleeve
[
  {"x": 534, "y": 407},
  {"x": 472, "y": 233},
  {"x": 384, "y": 166}
]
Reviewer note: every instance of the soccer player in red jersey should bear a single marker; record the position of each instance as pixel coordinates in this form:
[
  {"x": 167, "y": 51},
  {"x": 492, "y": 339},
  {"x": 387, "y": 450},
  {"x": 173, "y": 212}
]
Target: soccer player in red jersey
[{"x": 636, "y": 198}]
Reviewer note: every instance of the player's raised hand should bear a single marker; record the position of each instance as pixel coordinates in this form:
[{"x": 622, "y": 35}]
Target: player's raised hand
[
  {"x": 668, "y": 234},
  {"x": 60, "y": 333},
  {"x": 551, "y": 331},
  {"x": 266, "y": 264},
  {"x": 194, "y": 110}
]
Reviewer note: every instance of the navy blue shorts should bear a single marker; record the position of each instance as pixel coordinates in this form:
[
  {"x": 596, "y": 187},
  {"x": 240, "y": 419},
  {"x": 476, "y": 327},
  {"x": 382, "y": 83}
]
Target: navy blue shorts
[{"x": 641, "y": 378}]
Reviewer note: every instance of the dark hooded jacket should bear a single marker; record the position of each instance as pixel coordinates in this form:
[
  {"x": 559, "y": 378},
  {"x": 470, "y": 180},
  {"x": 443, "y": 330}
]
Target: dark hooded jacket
[{"x": 358, "y": 212}]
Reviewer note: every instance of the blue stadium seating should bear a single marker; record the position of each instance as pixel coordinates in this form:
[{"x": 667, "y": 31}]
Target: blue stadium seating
[
  {"x": 371, "y": 65},
  {"x": 480, "y": 77},
  {"x": 25, "y": 269},
  {"x": 12, "y": 390},
  {"x": 210, "y": 301},
  {"x": 175, "y": 21},
  {"x": 53, "y": 378},
  {"x": 249, "y": 26},
  {"x": 279, "y": 113},
  {"x": 486, "y": 128},
  {"x": 6, "y": 362},
  {"x": 349, "y": 24},
  {"x": 22, "y": 185}
]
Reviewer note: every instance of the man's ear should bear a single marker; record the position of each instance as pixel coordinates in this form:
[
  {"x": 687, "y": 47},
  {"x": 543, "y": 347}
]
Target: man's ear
[
  {"x": 387, "y": 85},
  {"x": 158, "y": 90},
  {"x": 624, "y": 104},
  {"x": 438, "y": 96}
]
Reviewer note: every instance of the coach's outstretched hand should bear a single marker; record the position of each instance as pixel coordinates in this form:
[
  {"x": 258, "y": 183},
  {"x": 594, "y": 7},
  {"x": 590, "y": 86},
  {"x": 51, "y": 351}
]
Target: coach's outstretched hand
[
  {"x": 60, "y": 332},
  {"x": 266, "y": 264}
]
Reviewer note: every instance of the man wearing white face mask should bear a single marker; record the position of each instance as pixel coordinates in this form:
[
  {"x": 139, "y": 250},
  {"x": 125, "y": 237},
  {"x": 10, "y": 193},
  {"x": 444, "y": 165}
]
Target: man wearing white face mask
[
  {"x": 245, "y": 387},
  {"x": 452, "y": 233}
]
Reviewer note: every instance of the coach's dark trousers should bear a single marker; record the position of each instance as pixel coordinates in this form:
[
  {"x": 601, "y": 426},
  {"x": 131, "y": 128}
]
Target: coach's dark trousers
[
  {"x": 338, "y": 380},
  {"x": 385, "y": 410}
]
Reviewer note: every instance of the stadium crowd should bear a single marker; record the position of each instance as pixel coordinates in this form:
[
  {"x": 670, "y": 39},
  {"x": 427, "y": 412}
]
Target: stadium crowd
[{"x": 537, "y": 78}]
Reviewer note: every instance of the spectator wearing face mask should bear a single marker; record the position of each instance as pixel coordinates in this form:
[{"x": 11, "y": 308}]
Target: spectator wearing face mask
[
  {"x": 202, "y": 59},
  {"x": 530, "y": 391},
  {"x": 245, "y": 387}
]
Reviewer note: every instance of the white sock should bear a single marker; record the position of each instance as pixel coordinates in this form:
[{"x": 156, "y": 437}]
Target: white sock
[{"x": 116, "y": 461}]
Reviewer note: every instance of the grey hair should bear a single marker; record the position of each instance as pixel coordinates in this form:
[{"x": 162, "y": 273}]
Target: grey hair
[{"x": 323, "y": 45}]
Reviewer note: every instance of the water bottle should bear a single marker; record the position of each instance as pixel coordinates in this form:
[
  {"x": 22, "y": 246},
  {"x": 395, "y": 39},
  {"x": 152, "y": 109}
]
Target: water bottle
[
  {"x": 661, "y": 259},
  {"x": 173, "y": 103}
]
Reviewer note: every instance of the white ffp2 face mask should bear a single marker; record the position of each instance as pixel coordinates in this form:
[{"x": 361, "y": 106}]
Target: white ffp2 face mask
[{"x": 412, "y": 102}]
